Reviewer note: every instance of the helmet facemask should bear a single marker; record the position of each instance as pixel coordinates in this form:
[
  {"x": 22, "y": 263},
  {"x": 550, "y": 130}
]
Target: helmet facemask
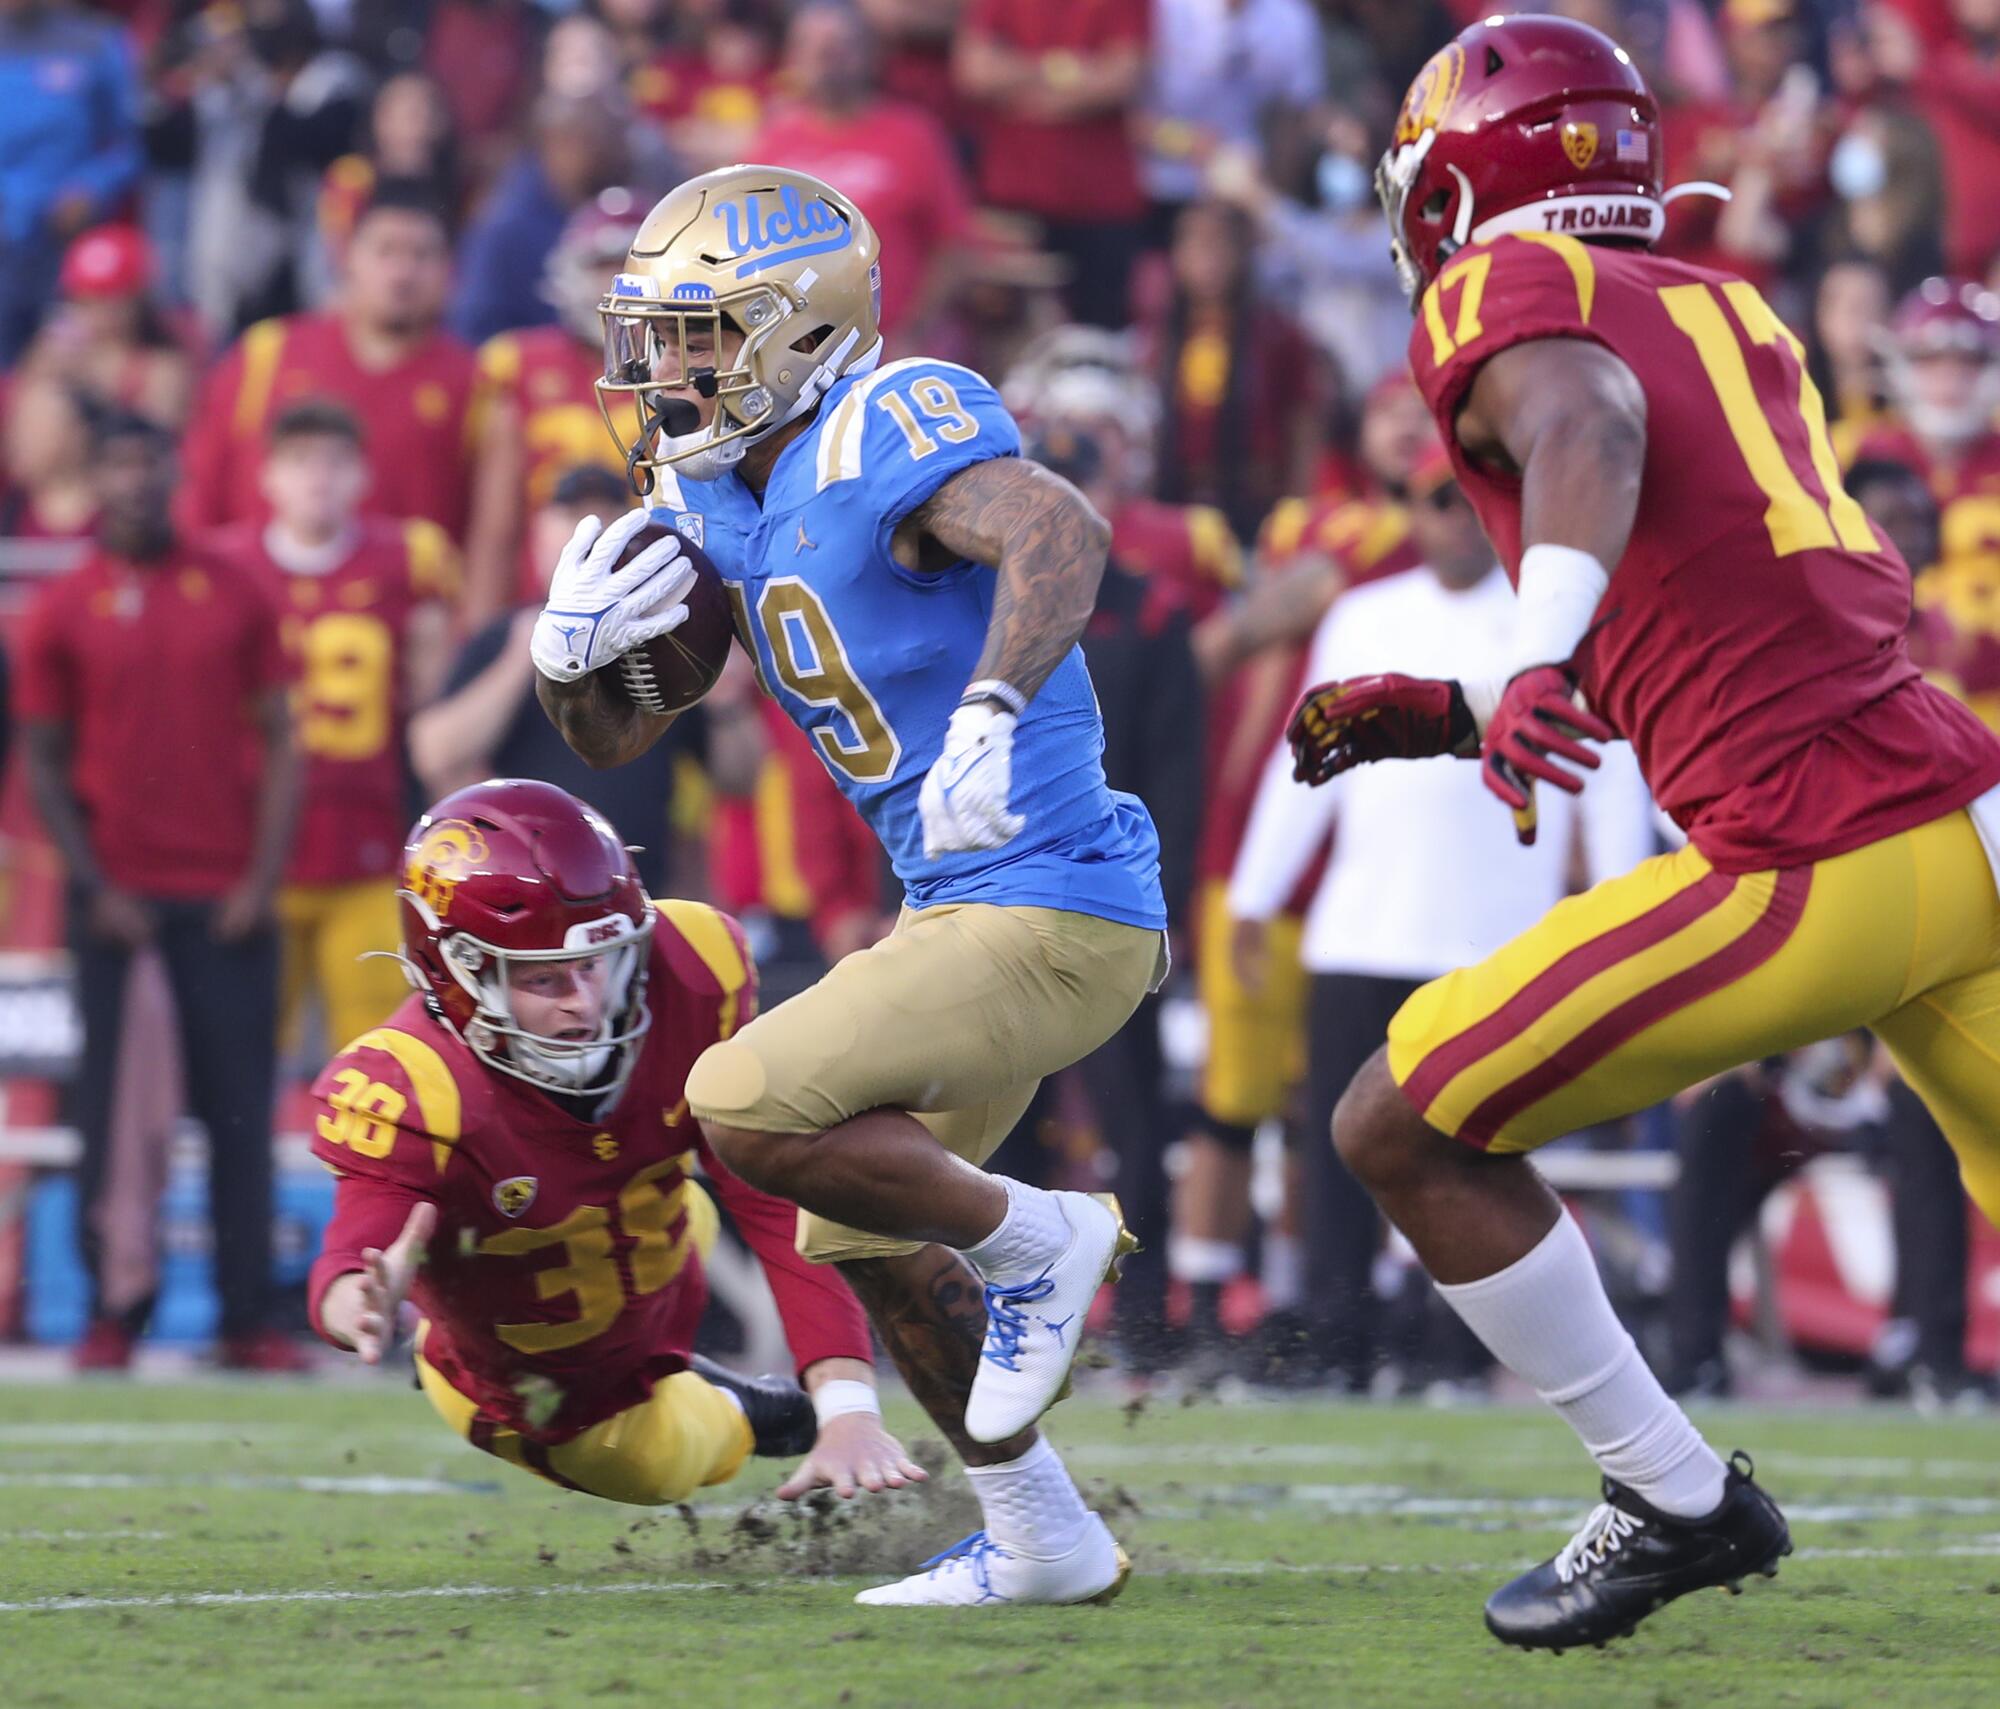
[
  {"x": 657, "y": 352},
  {"x": 596, "y": 1067},
  {"x": 1395, "y": 176}
]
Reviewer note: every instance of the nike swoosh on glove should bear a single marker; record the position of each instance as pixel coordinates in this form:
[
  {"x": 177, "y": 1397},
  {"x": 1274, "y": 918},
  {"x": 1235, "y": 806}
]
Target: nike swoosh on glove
[
  {"x": 599, "y": 608},
  {"x": 1537, "y": 723},
  {"x": 963, "y": 802},
  {"x": 1358, "y": 720}
]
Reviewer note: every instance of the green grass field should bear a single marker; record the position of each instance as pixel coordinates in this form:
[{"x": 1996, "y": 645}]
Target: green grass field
[{"x": 221, "y": 1545}]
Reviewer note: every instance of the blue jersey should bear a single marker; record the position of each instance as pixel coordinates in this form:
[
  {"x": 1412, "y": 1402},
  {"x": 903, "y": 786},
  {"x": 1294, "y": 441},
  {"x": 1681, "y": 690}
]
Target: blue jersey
[{"x": 869, "y": 657}]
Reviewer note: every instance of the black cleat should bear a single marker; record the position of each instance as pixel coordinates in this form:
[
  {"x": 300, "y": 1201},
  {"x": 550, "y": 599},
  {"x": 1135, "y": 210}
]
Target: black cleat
[
  {"x": 1630, "y": 1559},
  {"x": 783, "y": 1424}
]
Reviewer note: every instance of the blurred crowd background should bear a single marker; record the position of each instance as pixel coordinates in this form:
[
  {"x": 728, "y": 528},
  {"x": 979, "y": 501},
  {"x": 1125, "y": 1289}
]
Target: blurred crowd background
[{"x": 297, "y": 307}]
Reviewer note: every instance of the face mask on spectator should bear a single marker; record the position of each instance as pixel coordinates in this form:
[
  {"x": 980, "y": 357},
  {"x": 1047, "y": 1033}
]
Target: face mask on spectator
[
  {"x": 1858, "y": 168},
  {"x": 1343, "y": 182}
]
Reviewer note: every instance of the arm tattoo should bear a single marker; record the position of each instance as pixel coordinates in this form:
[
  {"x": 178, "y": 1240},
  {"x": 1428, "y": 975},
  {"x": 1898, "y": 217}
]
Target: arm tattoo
[
  {"x": 1047, "y": 544},
  {"x": 930, "y": 1312},
  {"x": 602, "y": 728}
]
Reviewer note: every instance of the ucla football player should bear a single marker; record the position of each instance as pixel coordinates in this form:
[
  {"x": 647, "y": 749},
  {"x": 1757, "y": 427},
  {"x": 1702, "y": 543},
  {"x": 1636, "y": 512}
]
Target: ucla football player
[{"x": 911, "y": 590}]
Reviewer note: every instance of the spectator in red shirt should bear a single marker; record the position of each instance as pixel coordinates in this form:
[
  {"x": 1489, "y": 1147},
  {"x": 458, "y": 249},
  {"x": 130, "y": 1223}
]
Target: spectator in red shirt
[
  {"x": 381, "y": 351},
  {"x": 482, "y": 53},
  {"x": 893, "y": 159},
  {"x": 916, "y": 38},
  {"x": 1957, "y": 86},
  {"x": 709, "y": 93},
  {"x": 160, "y": 754},
  {"x": 1060, "y": 82}
]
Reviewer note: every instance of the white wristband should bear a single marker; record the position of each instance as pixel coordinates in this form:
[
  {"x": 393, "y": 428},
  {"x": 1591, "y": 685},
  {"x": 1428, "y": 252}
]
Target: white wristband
[
  {"x": 992, "y": 688},
  {"x": 844, "y": 1395},
  {"x": 1558, "y": 592}
]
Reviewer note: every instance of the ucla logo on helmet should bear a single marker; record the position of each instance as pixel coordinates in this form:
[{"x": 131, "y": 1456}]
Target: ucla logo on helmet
[
  {"x": 636, "y": 285},
  {"x": 515, "y": 1194},
  {"x": 770, "y": 234}
]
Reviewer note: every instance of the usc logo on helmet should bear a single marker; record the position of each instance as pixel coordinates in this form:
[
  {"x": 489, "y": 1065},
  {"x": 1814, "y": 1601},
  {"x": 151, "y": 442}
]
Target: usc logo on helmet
[
  {"x": 1432, "y": 94},
  {"x": 451, "y": 851}
]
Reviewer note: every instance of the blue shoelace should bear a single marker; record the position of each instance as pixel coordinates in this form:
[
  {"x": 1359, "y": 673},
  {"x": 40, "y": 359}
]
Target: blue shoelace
[
  {"x": 1007, "y": 1323},
  {"x": 978, "y": 1552}
]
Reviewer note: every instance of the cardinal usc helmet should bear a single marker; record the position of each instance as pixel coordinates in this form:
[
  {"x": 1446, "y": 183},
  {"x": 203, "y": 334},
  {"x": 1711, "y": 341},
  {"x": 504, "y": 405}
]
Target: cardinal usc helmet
[
  {"x": 1942, "y": 355},
  {"x": 776, "y": 257},
  {"x": 1522, "y": 124},
  {"x": 512, "y": 871}
]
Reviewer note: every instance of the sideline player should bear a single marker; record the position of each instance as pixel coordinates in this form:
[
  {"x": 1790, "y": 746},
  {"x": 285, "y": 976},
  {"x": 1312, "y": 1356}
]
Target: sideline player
[
  {"x": 513, "y": 1149},
  {"x": 363, "y": 613},
  {"x": 1649, "y": 458},
  {"x": 911, "y": 591}
]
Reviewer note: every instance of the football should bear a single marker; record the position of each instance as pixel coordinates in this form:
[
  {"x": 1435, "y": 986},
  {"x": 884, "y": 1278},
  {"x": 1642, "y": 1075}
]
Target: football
[{"x": 671, "y": 672}]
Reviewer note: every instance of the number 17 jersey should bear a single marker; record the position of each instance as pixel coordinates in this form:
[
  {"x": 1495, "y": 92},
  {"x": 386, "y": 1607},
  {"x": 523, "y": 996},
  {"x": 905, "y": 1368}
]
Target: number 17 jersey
[{"x": 1752, "y": 643}]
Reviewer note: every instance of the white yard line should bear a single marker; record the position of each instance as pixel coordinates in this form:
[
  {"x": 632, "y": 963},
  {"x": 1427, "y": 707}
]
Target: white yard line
[
  {"x": 84, "y": 1536},
  {"x": 1553, "y": 1452},
  {"x": 59, "y": 1433},
  {"x": 244, "y": 1598},
  {"x": 306, "y": 1485},
  {"x": 1397, "y": 1502},
  {"x": 667, "y": 1587}
]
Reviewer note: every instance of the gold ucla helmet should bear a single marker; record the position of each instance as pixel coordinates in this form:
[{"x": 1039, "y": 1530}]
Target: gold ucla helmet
[{"x": 777, "y": 256}]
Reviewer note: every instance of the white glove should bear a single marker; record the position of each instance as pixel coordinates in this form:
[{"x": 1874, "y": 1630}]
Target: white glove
[
  {"x": 964, "y": 798},
  {"x": 598, "y": 609}
]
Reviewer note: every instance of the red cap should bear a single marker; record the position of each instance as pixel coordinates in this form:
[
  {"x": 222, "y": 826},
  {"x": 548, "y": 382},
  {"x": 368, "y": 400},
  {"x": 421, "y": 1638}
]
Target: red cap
[
  {"x": 108, "y": 261},
  {"x": 1395, "y": 384}
]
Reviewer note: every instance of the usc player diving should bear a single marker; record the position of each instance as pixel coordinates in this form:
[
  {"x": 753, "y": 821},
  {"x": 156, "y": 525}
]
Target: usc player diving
[
  {"x": 1650, "y": 460},
  {"x": 514, "y": 1152}
]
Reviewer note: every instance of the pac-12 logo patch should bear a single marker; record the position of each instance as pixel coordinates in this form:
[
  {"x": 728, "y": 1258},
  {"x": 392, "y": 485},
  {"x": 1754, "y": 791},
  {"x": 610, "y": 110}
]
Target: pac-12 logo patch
[
  {"x": 1580, "y": 142},
  {"x": 687, "y": 524},
  {"x": 515, "y": 1194}
]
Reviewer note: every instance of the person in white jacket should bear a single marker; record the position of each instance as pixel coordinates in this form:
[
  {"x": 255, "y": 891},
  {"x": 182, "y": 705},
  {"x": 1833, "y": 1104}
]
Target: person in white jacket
[{"x": 1423, "y": 877}]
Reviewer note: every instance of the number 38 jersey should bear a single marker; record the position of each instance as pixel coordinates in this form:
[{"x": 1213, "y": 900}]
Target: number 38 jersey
[
  {"x": 562, "y": 1280},
  {"x": 1751, "y": 645},
  {"x": 869, "y": 658}
]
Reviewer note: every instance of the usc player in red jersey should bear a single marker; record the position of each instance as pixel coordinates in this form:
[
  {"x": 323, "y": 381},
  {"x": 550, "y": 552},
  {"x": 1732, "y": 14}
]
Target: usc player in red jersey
[
  {"x": 1651, "y": 462},
  {"x": 380, "y": 348},
  {"x": 514, "y": 1151},
  {"x": 1943, "y": 364},
  {"x": 537, "y": 412},
  {"x": 363, "y": 614}
]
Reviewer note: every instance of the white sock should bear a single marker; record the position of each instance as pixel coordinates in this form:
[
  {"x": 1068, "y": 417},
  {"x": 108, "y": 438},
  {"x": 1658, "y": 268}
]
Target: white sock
[
  {"x": 1031, "y": 1506},
  {"x": 1033, "y": 1232},
  {"x": 1546, "y": 1318},
  {"x": 1284, "y": 1272},
  {"x": 1193, "y": 1260}
]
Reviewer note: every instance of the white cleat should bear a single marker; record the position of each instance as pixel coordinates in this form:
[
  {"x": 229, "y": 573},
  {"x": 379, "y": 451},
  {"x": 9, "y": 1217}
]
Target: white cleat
[
  {"x": 977, "y": 1573},
  {"x": 1032, "y": 1327}
]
